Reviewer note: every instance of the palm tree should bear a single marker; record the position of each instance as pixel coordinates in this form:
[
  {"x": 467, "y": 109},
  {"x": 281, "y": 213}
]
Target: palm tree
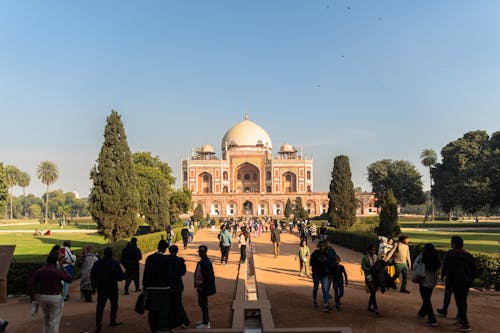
[
  {"x": 47, "y": 173},
  {"x": 428, "y": 157},
  {"x": 24, "y": 180},
  {"x": 12, "y": 179}
]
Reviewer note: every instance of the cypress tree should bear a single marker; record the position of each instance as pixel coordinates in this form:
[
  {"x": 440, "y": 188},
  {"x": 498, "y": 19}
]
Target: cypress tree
[
  {"x": 156, "y": 211},
  {"x": 288, "y": 208},
  {"x": 198, "y": 213},
  {"x": 114, "y": 199},
  {"x": 388, "y": 226},
  {"x": 342, "y": 199},
  {"x": 300, "y": 212}
]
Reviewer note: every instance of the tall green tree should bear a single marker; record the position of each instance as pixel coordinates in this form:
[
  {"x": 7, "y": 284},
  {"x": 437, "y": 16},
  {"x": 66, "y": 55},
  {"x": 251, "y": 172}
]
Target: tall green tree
[
  {"x": 401, "y": 177},
  {"x": 288, "y": 209},
  {"x": 3, "y": 190},
  {"x": 114, "y": 198},
  {"x": 24, "y": 181},
  {"x": 153, "y": 175},
  {"x": 156, "y": 213},
  {"x": 48, "y": 173},
  {"x": 428, "y": 157},
  {"x": 12, "y": 177},
  {"x": 463, "y": 177},
  {"x": 342, "y": 203},
  {"x": 388, "y": 226},
  {"x": 198, "y": 213},
  {"x": 299, "y": 210}
]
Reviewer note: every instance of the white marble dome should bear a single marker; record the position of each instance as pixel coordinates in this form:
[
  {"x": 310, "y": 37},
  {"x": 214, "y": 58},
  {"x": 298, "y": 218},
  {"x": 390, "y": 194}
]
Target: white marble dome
[
  {"x": 207, "y": 148},
  {"x": 286, "y": 148},
  {"x": 246, "y": 133}
]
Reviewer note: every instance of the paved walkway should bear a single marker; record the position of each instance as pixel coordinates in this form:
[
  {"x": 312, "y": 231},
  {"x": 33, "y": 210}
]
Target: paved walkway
[{"x": 289, "y": 294}]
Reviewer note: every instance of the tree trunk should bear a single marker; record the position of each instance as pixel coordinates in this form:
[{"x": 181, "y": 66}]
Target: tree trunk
[
  {"x": 449, "y": 215},
  {"x": 47, "y": 204},
  {"x": 432, "y": 199}
]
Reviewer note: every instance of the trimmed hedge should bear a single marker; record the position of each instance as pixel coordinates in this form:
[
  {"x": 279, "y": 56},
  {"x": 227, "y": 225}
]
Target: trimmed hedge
[
  {"x": 21, "y": 270},
  {"x": 488, "y": 265}
]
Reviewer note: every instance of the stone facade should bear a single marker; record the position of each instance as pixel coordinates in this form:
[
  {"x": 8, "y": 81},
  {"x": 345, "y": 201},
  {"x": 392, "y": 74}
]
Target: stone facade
[{"x": 248, "y": 180}]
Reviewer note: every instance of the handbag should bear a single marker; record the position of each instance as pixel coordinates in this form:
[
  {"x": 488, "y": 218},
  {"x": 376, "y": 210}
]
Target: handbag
[
  {"x": 139, "y": 304},
  {"x": 419, "y": 273}
]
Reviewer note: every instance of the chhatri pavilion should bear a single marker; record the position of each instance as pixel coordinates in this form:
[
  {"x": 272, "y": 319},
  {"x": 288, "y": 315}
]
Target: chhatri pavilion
[{"x": 248, "y": 180}]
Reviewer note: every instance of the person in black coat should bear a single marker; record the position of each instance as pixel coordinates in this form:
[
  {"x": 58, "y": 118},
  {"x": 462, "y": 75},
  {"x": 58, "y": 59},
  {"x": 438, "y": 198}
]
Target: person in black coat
[
  {"x": 204, "y": 282},
  {"x": 156, "y": 282},
  {"x": 131, "y": 255},
  {"x": 177, "y": 314},
  {"x": 104, "y": 276}
]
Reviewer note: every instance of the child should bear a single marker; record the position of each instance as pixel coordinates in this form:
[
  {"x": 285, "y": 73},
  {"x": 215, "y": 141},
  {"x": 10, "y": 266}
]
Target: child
[{"x": 338, "y": 276}]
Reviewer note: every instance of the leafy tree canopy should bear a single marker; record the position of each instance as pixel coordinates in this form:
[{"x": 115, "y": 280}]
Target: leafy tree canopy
[{"x": 400, "y": 176}]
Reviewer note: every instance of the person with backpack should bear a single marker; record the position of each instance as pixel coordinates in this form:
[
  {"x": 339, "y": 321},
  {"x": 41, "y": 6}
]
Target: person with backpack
[
  {"x": 68, "y": 262},
  {"x": 185, "y": 236},
  {"x": 461, "y": 270},
  {"x": 320, "y": 273},
  {"x": 402, "y": 260}
]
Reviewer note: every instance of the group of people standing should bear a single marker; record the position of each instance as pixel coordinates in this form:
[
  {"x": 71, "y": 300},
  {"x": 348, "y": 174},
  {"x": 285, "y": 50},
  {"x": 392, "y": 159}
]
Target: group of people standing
[{"x": 458, "y": 271}]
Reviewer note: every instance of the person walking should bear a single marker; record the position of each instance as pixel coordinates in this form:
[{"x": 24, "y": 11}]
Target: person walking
[
  {"x": 448, "y": 290},
  {"x": 45, "y": 288},
  {"x": 190, "y": 232},
  {"x": 105, "y": 276},
  {"x": 170, "y": 234},
  {"x": 131, "y": 255},
  {"x": 276, "y": 238},
  {"x": 225, "y": 244},
  {"x": 242, "y": 243},
  {"x": 185, "y": 236},
  {"x": 87, "y": 260},
  {"x": 320, "y": 273},
  {"x": 157, "y": 281},
  {"x": 177, "y": 316},
  {"x": 303, "y": 254},
  {"x": 367, "y": 263},
  {"x": 204, "y": 282},
  {"x": 338, "y": 276},
  {"x": 430, "y": 259},
  {"x": 68, "y": 261},
  {"x": 401, "y": 255},
  {"x": 460, "y": 270}
]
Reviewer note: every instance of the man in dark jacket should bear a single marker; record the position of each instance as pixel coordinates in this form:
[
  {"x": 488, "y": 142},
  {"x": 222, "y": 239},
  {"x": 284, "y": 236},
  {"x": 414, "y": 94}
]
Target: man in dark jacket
[
  {"x": 105, "y": 276},
  {"x": 276, "y": 238},
  {"x": 131, "y": 255},
  {"x": 320, "y": 269},
  {"x": 204, "y": 282},
  {"x": 177, "y": 314},
  {"x": 156, "y": 283},
  {"x": 460, "y": 268}
]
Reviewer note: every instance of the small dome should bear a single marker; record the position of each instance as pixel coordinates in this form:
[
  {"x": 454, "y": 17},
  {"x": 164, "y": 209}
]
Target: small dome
[
  {"x": 246, "y": 133},
  {"x": 206, "y": 148},
  {"x": 286, "y": 148}
]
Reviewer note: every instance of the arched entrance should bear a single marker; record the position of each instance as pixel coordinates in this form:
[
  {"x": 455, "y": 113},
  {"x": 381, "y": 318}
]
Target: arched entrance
[
  {"x": 247, "y": 178},
  {"x": 247, "y": 208}
]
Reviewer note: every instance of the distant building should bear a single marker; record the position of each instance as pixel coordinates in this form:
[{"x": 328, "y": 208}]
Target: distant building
[{"x": 249, "y": 180}]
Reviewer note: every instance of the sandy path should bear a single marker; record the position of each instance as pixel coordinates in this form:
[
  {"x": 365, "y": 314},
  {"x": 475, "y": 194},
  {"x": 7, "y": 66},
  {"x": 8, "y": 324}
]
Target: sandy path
[{"x": 290, "y": 296}]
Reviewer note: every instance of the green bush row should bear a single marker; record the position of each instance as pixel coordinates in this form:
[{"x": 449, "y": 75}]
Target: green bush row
[
  {"x": 21, "y": 270},
  {"x": 488, "y": 265}
]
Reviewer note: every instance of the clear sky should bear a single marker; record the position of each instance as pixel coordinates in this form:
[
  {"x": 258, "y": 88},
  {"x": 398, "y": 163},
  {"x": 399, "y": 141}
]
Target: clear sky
[{"x": 369, "y": 79}]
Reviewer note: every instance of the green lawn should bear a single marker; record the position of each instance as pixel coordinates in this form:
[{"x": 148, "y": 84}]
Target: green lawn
[
  {"x": 476, "y": 240},
  {"x": 28, "y": 246}
]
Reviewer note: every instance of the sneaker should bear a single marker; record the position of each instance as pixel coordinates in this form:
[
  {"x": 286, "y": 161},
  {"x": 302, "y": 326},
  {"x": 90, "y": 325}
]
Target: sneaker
[
  {"x": 202, "y": 326},
  {"x": 404, "y": 291},
  {"x": 464, "y": 328},
  {"x": 441, "y": 312},
  {"x": 116, "y": 323},
  {"x": 326, "y": 308},
  {"x": 420, "y": 317},
  {"x": 315, "y": 303},
  {"x": 432, "y": 324}
]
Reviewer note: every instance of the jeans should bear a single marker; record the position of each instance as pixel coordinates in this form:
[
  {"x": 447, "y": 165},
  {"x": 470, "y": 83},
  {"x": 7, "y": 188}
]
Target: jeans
[
  {"x": 325, "y": 287},
  {"x": 403, "y": 270},
  {"x": 225, "y": 254},
  {"x": 203, "y": 303},
  {"x": 69, "y": 269},
  {"x": 243, "y": 253},
  {"x": 426, "y": 308},
  {"x": 461, "y": 293},
  {"x": 102, "y": 298},
  {"x": 52, "y": 307},
  {"x": 132, "y": 275},
  {"x": 448, "y": 291},
  {"x": 338, "y": 288}
]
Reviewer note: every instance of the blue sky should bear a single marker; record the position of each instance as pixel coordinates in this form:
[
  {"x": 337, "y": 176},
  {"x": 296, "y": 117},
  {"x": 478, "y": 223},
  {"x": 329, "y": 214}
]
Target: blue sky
[{"x": 369, "y": 79}]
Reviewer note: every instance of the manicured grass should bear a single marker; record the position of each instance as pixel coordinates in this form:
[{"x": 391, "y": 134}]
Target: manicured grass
[
  {"x": 476, "y": 240},
  {"x": 29, "y": 246},
  {"x": 87, "y": 225}
]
